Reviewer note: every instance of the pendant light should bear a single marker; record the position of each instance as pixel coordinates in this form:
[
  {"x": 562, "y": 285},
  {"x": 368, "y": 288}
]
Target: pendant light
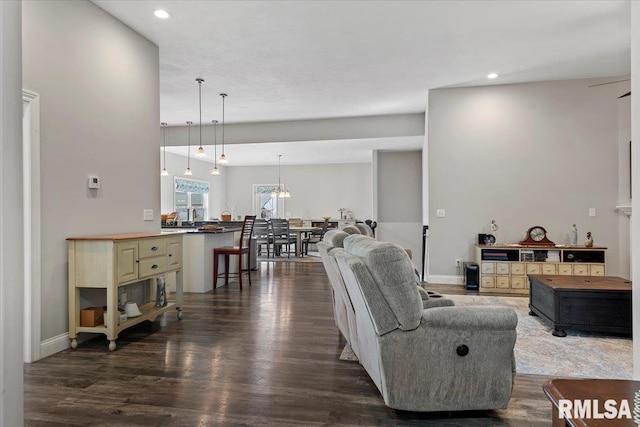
[
  {"x": 188, "y": 171},
  {"x": 200, "y": 152},
  {"x": 223, "y": 159},
  {"x": 215, "y": 170},
  {"x": 280, "y": 192},
  {"x": 164, "y": 172}
]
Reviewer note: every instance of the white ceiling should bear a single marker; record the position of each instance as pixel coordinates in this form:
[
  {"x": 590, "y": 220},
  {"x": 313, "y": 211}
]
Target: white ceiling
[{"x": 286, "y": 60}]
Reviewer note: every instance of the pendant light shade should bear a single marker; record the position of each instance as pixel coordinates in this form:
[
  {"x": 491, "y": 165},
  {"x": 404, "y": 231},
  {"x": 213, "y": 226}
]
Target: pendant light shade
[
  {"x": 164, "y": 171},
  {"x": 280, "y": 192},
  {"x": 200, "y": 153},
  {"x": 223, "y": 158},
  {"x": 188, "y": 171},
  {"x": 215, "y": 170}
]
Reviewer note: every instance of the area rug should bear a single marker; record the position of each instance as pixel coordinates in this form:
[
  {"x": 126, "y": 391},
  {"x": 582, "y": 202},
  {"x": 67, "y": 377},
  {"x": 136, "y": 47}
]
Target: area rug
[
  {"x": 311, "y": 257},
  {"x": 579, "y": 354},
  {"x": 348, "y": 355}
]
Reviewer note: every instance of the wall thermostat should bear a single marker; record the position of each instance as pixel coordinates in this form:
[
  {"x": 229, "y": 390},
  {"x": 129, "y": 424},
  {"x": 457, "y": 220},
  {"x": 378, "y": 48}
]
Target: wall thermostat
[{"x": 94, "y": 181}]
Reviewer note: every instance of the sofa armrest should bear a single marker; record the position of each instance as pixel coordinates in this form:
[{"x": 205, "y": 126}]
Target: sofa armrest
[
  {"x": 437, "y": 302},
  {"x": 474, "y": 318}
]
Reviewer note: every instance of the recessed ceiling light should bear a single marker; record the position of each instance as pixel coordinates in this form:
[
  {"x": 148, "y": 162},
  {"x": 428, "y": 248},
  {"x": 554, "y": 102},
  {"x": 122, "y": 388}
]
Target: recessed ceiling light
[
  {"x": 161, "y": 13},
  {"x": 492, "y": 75}
]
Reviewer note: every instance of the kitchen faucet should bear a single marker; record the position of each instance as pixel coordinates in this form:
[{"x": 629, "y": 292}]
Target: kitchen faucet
[{"x": 194, "y": 215}]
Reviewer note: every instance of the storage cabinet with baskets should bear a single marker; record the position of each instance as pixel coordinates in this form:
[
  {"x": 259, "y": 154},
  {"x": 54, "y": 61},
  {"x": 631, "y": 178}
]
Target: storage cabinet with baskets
[{"x": 108, "y": 263}]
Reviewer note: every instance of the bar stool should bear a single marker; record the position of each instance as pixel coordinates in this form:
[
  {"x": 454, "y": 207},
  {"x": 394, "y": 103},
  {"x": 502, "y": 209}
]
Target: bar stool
[{"x": 240, "y": 250}]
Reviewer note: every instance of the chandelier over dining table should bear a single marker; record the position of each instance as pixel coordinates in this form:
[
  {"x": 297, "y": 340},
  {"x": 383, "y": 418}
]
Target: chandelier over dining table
[{"x": 281, "y": 191}]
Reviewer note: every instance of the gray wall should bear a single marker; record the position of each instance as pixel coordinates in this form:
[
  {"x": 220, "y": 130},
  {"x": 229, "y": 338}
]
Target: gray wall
[
  {"x": 524, "y": 155},
  {"x": 11, "y": 223},
  {"x": 317, "y": 190},
  {"x": 399, "y": 183},
  {"x": 99, "y": 86},
  {"x": 398, "y": 199}
]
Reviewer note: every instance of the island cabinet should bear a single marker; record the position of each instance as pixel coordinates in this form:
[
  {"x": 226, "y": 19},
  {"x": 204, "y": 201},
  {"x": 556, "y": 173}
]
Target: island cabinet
[
  {"x": 504, "y": 268},
  {"x": 107, "y": 264}
]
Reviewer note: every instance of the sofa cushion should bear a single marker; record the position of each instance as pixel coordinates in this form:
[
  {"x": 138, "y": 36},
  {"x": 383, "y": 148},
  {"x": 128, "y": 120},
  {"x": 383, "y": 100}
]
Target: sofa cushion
[
  {"x": 364, "y": 229},
  {"x": 335, "y": 238},
  {"x": 393, "y": 273},
  {"x": 351, "y": 229}
]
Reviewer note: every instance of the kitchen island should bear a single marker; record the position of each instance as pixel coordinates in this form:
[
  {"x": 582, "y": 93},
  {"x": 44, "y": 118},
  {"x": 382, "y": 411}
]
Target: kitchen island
[{"x": 198, "y": 255}]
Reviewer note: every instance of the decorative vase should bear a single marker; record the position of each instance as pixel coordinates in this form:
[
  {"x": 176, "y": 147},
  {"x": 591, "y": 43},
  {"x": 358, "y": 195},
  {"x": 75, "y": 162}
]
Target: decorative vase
[{"x": 161, "y": 291}]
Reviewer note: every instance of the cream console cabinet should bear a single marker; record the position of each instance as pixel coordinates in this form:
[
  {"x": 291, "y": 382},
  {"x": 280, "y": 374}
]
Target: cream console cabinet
[
  {"x": 111, "y": 262},
  {"x": 504, "y": 268}
]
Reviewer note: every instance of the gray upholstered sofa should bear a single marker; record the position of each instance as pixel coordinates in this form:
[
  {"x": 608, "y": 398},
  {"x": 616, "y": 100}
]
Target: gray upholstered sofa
[
  {"x": 343, "y": 310},
  {"x": 439, "y": 358}
]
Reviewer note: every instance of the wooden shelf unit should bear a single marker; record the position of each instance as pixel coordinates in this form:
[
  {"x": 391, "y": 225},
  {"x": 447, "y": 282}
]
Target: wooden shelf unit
[
  {"x": 110, "y": 262},
  {"x": 504, "y": 268}
]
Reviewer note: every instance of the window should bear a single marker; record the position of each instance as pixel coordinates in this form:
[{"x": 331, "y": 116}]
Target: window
[
  {"x": 191, "y": 199},
  {"x": 265, "y": 206}
]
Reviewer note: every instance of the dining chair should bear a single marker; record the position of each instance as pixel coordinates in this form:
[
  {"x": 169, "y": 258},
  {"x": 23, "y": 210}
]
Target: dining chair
[
  {"x": 314, "y": 237},
  {"x": 262, "y": 235},
  {"x": 242, "y": 249},
  {"x": 281, "y": 236}
]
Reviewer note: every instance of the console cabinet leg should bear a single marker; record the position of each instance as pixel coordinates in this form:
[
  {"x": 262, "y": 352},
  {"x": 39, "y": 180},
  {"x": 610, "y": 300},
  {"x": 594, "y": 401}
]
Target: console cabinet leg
[
  {"x": 74, "y": 343},
  {"x": 112, "y": 345}
]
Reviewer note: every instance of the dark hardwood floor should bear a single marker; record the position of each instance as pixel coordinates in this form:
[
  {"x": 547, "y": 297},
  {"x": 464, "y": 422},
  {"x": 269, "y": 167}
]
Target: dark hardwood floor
[{"x": 266, "y": 356}]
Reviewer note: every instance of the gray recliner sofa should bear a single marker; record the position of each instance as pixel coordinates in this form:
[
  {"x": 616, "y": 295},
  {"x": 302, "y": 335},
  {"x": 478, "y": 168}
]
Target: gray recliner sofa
[{"x": 435, "y": 359}]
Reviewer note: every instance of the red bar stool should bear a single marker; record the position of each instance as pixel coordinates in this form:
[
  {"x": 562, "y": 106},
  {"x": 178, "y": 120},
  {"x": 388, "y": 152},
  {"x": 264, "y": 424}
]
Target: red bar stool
[{"x": 240, "y": 250}]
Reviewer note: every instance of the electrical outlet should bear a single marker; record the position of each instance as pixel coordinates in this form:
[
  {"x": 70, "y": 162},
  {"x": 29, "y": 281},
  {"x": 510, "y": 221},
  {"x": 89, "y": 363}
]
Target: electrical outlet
[
  {"x": 123, "y": 299},
  {"x": 458, "y": 263}
]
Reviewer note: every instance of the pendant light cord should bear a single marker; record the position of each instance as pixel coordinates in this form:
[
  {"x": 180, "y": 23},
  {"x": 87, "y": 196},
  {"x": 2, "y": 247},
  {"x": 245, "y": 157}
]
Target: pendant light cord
[
  {"x": 189, "y": 148},
  {"x": 200, "y": 81},
  {"x": 215, "y": 143}
]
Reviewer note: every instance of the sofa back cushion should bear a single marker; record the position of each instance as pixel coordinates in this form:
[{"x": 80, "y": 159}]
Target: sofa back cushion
[
  {"x": 393, "y": 273},
  {"x": 351, "y": 229},
  {"x": 334, "y": 238},
  {"x": 364, "y": 229},
  {"x": 368, "y": 301}
]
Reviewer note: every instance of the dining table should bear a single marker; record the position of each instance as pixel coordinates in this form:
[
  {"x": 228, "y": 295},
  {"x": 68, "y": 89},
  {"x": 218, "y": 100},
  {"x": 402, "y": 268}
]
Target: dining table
[{"x": 299, "y": 231}]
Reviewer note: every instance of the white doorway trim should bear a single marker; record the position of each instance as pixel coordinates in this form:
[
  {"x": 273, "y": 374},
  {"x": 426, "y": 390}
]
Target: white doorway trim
[{"x": 32, "y": 242}]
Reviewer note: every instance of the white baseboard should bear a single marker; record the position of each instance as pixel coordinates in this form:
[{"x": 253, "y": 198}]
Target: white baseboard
[
  {"x": 54, "y": 345},
  {"x": 444, "y": 280}
]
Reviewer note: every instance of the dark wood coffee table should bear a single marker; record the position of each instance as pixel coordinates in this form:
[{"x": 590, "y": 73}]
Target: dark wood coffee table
[
  {"x": 601, "y": 390},
  {"x": 585, "y": 303}
]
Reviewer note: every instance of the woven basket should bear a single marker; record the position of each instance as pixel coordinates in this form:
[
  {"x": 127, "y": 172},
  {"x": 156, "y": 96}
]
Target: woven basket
[{"x": 226, "y": 216}]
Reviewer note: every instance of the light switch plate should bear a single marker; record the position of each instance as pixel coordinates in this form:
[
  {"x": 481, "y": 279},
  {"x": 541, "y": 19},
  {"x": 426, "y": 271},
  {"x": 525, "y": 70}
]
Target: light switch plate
[
  {"x": 440, "y": 213},
  {"x": 148, "y": 214},
  {"x": 592, "y": 212}
]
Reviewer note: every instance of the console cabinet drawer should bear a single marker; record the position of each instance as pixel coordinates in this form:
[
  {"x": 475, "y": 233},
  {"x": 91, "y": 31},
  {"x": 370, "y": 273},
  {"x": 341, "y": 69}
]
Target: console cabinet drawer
[
  {"x": 503, "y": 282},
  {"x": 580, "y": 270},
  {"x": 488, "y": 282},
  {"x": 152, "y": 266},
  {"x": 517, "y": 269},
  {"x": 152, "y": 248},
  {"x": 596, "y": 270},
  {"x": 533, "y": 268},
  {"x": 488, "y": 268},
  {"x": 565, "y": 270}
]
